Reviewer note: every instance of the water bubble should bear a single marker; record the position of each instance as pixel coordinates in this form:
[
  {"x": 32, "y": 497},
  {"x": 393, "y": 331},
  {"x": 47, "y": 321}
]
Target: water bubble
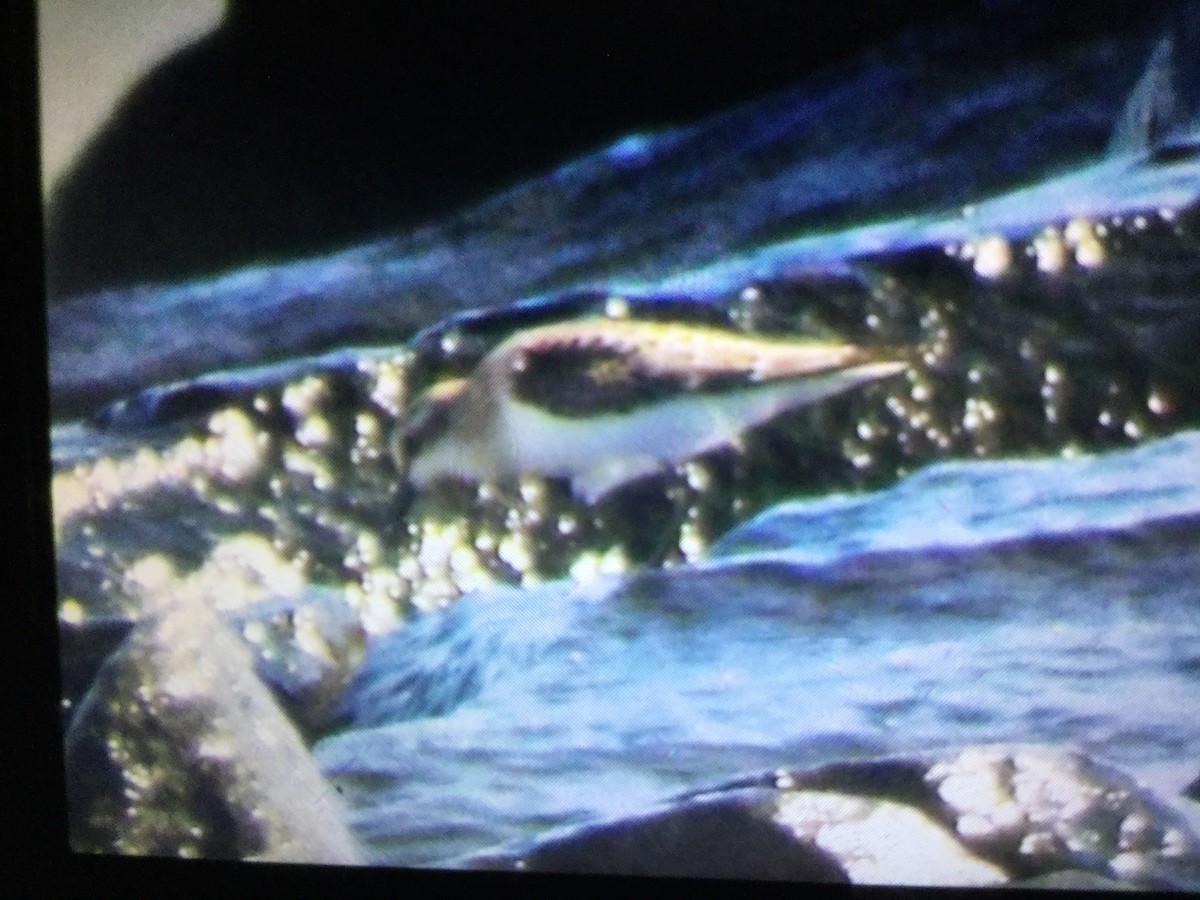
[{"x": 993, "y": 257}]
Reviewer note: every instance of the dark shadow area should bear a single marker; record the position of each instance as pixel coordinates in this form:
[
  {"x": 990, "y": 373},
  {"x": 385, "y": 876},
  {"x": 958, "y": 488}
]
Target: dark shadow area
[{"x": 295, "y": 129}]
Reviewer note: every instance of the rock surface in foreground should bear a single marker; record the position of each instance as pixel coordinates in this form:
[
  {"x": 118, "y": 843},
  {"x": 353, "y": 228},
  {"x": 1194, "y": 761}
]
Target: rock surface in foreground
[
  {"x": 180, "y": 750},
  {"x": 731, "y": 838},
  {"x": 990, "y": 815}
]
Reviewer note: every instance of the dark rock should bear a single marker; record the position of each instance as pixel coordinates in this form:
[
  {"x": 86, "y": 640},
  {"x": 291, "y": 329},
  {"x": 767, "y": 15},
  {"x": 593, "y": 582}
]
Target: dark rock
[
  {"x": 1028, "y": 816},
  {"x": 734, "y": 837},
  {"x": 1192, "y": 791},
  {"x": 293, "y": 131}
]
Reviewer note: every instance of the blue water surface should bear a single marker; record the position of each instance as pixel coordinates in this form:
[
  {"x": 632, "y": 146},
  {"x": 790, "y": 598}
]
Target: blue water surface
[{"x": 1027, "y": 600}]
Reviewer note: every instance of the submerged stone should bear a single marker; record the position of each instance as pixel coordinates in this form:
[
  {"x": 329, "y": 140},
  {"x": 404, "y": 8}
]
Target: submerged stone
[{"x": 993, "y": 815}]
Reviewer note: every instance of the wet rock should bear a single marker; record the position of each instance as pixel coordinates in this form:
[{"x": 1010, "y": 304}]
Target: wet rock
[
  {"x": 1040, "y": 809},
  {"x": 986, "y": 816},
  {"x": 304, "y": 643},
  {"x": 135, "y": 533},
  {"x": 178, "y": 749},
  {"x": 732, "y": 837},
  {"x": 304, "y": 647}
]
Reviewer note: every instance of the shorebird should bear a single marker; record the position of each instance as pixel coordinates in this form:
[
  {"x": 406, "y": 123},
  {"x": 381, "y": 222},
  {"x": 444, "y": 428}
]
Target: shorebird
[{"x": 606, "y": 402}]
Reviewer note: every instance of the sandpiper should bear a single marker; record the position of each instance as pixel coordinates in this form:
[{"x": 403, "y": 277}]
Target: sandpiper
[{"x": 609, "y": 401}]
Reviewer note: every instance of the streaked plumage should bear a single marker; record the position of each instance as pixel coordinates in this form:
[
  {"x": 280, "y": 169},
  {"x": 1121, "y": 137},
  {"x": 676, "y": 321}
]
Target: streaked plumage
[{"x": 605, "y": 402}]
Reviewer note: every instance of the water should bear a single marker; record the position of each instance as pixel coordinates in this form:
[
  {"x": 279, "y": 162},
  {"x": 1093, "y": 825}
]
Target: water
[{"x": 1043, "y": 600}]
